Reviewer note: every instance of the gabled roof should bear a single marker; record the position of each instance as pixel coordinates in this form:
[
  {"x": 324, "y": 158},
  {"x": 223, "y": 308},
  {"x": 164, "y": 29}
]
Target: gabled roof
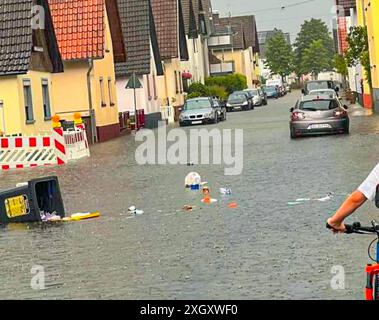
[
  {"x": 165, "y": 15},
  {"x": 135, "y": 22},
  {"x": 245, "y": 31},
  {"x": 170, "y": 28},
  {"x": 79, "y": 26},
  {"x": 16, "y": 37}
]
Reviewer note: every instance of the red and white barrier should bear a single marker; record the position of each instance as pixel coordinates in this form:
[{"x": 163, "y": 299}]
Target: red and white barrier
[
  {"x": 59, "y": 148},
  {"x": 24, "y": 152}
]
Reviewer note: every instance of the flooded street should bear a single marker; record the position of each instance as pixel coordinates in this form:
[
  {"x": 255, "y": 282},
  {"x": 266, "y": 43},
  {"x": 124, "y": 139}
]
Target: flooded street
[{"x": 264, "y": 249}]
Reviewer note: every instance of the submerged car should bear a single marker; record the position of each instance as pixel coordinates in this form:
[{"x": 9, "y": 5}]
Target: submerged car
[
  {"x": 256, "y": 95},
  {"x": 272, "y": 92},
  {"x": 315, "y": 115},
  {"x": 238, "y": 101},
  {"x": 200, "y": 111}
]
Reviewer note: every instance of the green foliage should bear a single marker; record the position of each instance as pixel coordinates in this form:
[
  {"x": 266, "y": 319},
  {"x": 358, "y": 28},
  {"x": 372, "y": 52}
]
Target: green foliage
[
  {"x": 279, "y": 55},
  {"x": 218, "y": 92},
  {"x": 313, "y": 30},
  {"x": 193, "y": 95},
  {"x": 198, "y": 88},
  {"x": 340, "y": 65},
  {"x": 358, "y": 51},
  {"x": 315, "y": 59},
  {"x": 231, "y": 83}
]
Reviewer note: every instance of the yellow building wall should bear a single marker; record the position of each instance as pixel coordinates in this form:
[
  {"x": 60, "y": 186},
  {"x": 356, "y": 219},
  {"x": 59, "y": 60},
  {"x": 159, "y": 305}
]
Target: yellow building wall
[
  {"x": 166, "y": 84},
  {"x": 71, "y": 88},
  {"x": 9, "y": 96},
  {"x": 12, "y": 95},
  {"x": 372, "y": 18},
  {"x": 362, "y": 20},
  {"x": 70, "y": 93}
]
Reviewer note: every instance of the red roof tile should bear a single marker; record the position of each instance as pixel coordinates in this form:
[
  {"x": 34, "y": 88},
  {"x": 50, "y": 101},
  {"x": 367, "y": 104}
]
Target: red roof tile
[{"x": 79, "y": 26}]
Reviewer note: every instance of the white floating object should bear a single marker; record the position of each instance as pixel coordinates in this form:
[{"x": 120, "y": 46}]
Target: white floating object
[
  {"x": 139, "y": 212},
  {"x": 193, "y": 178}
]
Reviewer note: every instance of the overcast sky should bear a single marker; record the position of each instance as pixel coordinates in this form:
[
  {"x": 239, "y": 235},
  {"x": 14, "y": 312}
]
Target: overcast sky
[{"x": 269, "y": 15}]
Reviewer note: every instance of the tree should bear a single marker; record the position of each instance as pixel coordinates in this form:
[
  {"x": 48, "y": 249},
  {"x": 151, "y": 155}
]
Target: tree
[
  {"x": 311, "y": 31},
  {"x": 358, "y": 51},
  {"x": 279, "y": 55},
  {"x": 340, "y": 64},
  {"x": 315, "y": 59}
]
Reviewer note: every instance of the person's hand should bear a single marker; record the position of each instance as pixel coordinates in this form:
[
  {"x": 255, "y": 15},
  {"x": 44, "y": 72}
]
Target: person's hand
[{"x": 337, "y": 227}]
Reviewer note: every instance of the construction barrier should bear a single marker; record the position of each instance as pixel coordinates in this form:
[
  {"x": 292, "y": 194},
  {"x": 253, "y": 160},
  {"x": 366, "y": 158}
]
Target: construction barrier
[{"x": 57, "y": 148}]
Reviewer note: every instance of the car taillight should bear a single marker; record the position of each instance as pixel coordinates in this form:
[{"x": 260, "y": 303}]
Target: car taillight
[
  {"x": 297, "y": 116},
  {"x": 340, "y": 113}
]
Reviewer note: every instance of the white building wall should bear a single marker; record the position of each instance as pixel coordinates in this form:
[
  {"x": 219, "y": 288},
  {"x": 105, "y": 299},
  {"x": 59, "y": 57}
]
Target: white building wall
[{"x": 146, "y": 98}]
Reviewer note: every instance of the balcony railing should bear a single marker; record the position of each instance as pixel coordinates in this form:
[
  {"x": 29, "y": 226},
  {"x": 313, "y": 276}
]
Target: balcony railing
[
  {"x": 222, "y": 68},
  {"x": 220, "y": 41}
]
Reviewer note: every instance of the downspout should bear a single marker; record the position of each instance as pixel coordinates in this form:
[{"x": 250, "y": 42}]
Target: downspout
[{"x": 91, "y": 110}]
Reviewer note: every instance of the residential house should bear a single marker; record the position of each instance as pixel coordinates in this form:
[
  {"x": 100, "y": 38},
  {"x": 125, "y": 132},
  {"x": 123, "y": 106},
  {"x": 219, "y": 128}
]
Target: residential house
[
  {"x": 143, "y": 59},
  {"x": 196, "y": 15},
  {"x": 88, "y": 84},
  {"x": 172, "y": 43},
  {"x": 234, "y": 42},
  {"x": 29, "y": 56}
]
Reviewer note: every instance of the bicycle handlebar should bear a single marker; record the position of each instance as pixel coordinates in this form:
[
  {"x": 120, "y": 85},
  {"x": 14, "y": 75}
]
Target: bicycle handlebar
[{"x": 358, "y": 229}]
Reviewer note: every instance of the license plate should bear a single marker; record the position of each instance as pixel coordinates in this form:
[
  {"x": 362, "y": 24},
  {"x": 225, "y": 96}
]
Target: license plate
[
  {"x": 197, "y": 122},
  {"x": 319, "y": 126}
]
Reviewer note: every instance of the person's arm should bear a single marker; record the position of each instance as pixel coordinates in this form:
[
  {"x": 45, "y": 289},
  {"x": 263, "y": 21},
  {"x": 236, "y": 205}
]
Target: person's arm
[{"x": 355, "y": 200}]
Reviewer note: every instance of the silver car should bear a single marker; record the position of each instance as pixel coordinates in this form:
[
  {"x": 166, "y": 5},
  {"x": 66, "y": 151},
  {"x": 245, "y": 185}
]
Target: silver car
[
  {"x": 314, "y": 115},
  {"x": 256, "y": 97},
  {"x": 200, "y": 111}
]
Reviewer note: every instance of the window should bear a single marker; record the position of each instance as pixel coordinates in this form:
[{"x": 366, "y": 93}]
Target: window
[
  {"x": 194, "y": 46},
  {"x": 148, "y": 86},
  {"x": 28, "y": 101},
  {"x": 103, "y": 104},
  {"x": 110, "y": 87},
  {"x": 176, "y": 82},
  {"x": 46, "y": 99},
  {"x": 180, "y": 83}
]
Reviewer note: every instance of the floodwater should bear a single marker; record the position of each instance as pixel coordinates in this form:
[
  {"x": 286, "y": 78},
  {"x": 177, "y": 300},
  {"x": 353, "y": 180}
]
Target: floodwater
[{"x": 264, "y": 249}]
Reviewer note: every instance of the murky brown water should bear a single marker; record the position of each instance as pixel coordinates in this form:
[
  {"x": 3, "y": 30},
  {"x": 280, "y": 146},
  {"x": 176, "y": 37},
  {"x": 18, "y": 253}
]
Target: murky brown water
[{"x": 264, "y": 249}]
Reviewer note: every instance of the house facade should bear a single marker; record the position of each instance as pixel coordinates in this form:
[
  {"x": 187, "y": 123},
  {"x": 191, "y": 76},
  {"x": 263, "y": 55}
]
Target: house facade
[
  {"x": 172, "y": 43},
  {"x": 29, "y": 57},
  {"x": 88, "y": 84},
  {"x": 234, "y": 42},
  {"x": 142, "y": 59}
]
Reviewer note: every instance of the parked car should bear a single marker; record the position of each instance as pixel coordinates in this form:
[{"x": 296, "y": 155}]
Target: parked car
[
  {"x": 318, "y": 85},
  {"x": 318, "y": 115},
  {"x": 263, "y": 94},
  {"x": 200, "y": 111},
  {"x": 256, "y": 96},
  {"x": 238, "y": 101},
  {"x": 250, "y": 98},
  {"x": 221, "y": 109},
  {"x": 272, "y": 92}
]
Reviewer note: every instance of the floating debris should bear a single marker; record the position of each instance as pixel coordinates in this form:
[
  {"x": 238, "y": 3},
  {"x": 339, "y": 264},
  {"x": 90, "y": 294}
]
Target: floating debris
[
  {"x": 233, "y": 205},
  {"x": 225, "y": 191}
]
